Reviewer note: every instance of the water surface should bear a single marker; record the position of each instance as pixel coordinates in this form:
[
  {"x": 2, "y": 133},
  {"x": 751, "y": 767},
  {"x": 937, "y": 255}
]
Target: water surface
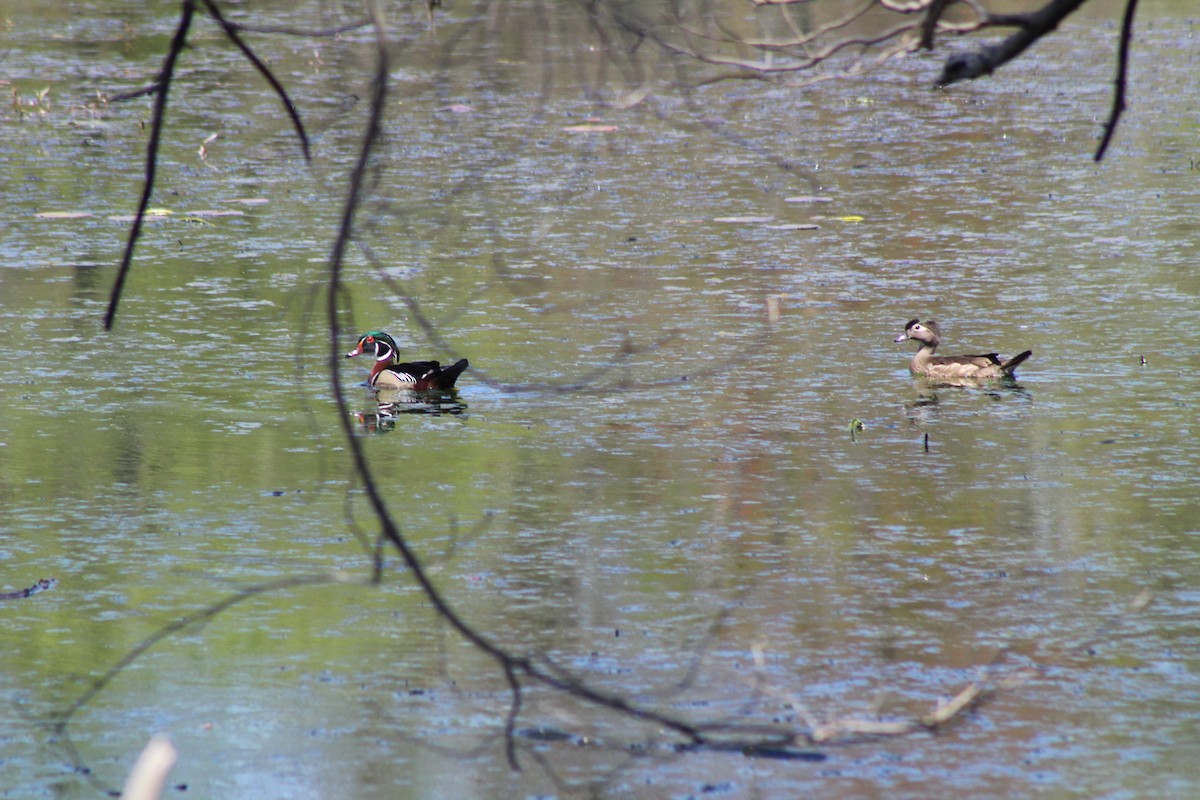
[{"x": 690, "y": 523}]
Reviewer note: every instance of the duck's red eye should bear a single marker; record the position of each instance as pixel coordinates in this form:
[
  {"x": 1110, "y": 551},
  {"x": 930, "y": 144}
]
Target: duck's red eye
[{"x": 370, "y": 340}]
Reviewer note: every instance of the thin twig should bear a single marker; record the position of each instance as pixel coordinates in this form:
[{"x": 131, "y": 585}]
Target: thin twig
[
  {"x": 198, "y": 618},
  {"x": 156, "y": 126},
  {"x": 1118, "y": 106},
  {"x": 263, "y": 70},
  {"x": 117, "y": 98},
  {"x": 510, "y": 721}
]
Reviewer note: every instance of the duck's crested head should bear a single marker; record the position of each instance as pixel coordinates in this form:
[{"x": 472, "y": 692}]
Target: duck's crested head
[
  {"x": 927, "y": 331},
  {"x": 377, "y": 343}
]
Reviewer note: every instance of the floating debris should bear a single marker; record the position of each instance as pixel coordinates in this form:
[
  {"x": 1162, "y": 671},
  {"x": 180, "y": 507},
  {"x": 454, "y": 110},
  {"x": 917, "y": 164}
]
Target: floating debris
[
  {"x": 744, "y": 220},
  {"x": 544, "y": 733},
  {"x": 591, "y": 128},
  {"x": 43, "y": 585},
  {"x": 63, "y": 215},
  {"x": 783, "y": 753},
  {"x": 151, "y": 213}
]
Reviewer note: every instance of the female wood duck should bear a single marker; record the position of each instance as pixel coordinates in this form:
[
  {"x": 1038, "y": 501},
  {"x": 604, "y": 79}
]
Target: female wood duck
[
  {"x": 981, "y": 367},
  {"x": 387, "y": 373}
]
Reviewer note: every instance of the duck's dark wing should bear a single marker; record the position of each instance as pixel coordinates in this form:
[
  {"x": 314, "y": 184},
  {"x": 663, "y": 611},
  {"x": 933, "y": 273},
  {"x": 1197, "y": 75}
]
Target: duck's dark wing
[
  {"x": 413, "y": 371},
  {"x": 428, "y": 374},
  {"x": 982, "y": 360},
  {"x": 440, "y": 378},
  {"x": 986, "y": 365}
]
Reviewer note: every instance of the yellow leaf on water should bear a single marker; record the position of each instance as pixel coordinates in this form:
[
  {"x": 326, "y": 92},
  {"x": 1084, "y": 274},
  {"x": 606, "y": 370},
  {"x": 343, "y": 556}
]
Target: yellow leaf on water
[{"x": 850, "y": 218}]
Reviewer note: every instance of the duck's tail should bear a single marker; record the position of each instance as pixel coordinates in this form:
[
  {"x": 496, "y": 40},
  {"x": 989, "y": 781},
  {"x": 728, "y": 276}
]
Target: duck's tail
[
  {"x": 1009, "y": 366},
  {"x": 445, "y": 377}
]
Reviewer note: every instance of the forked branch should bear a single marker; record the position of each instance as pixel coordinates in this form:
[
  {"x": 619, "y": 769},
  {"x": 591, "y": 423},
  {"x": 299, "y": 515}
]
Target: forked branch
[
  {"x": 1030, "y": 27},
  {"x": 232, "y": 32},
  {"x": 161, "y": 89}
]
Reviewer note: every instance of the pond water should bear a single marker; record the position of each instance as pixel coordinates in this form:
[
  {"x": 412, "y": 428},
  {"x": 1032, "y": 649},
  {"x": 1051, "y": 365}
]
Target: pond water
[{"x": 649, "y": 475}]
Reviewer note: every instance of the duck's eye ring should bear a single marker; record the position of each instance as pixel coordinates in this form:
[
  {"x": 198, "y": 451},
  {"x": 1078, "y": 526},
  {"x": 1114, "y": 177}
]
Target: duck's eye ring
[{"x": 369, "y": 340}]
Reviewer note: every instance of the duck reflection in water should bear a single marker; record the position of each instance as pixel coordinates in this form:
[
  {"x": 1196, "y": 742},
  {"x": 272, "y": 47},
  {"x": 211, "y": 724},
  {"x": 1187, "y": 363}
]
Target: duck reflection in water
[
  {"x": 927, "y": 405},
  {"x": 394, "y": 402}
]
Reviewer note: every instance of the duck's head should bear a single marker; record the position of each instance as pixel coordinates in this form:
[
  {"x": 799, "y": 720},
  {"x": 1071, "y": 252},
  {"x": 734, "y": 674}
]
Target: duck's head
[
  {"x": 927, "y": 332},
  {"x": 378, "y": 344}
]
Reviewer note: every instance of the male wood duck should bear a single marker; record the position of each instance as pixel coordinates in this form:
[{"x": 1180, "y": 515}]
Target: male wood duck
[
  {"x": 980, "y": 367},
  {"x": 387, "y": 373}
]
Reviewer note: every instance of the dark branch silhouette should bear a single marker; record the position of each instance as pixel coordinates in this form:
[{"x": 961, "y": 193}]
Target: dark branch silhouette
[
  {"x": 929, "y": 26},
  {"x": 1030, "y": 28},
  {"x": 161, "y": 88},
  {"x": 865, "y": 36},
  {"x": 62, "y": 723},
  {"x": 163, "y": 85},
  {"x": 989, "y": 57},
  {"x": 263, "y": 70},
  {"x": 1118, "y": 106}
]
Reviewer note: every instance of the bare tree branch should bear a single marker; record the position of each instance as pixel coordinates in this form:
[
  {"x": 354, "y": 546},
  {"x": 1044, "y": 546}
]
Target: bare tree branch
[
  {"x": 196, "y": 619},
  {"x": 512, "y": 665},
  {"x": 117, "y": 98},
  {"x": 163, "y": 85},
  {"x": 929, "y": 24},
  {"x": 1031, "y": 27},
  {"x": 161, "y": 88},
  {"x": 1118, "y": 106},
  {"x": 510, "y": 721},
  {"x": 230, "y": 31}
]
